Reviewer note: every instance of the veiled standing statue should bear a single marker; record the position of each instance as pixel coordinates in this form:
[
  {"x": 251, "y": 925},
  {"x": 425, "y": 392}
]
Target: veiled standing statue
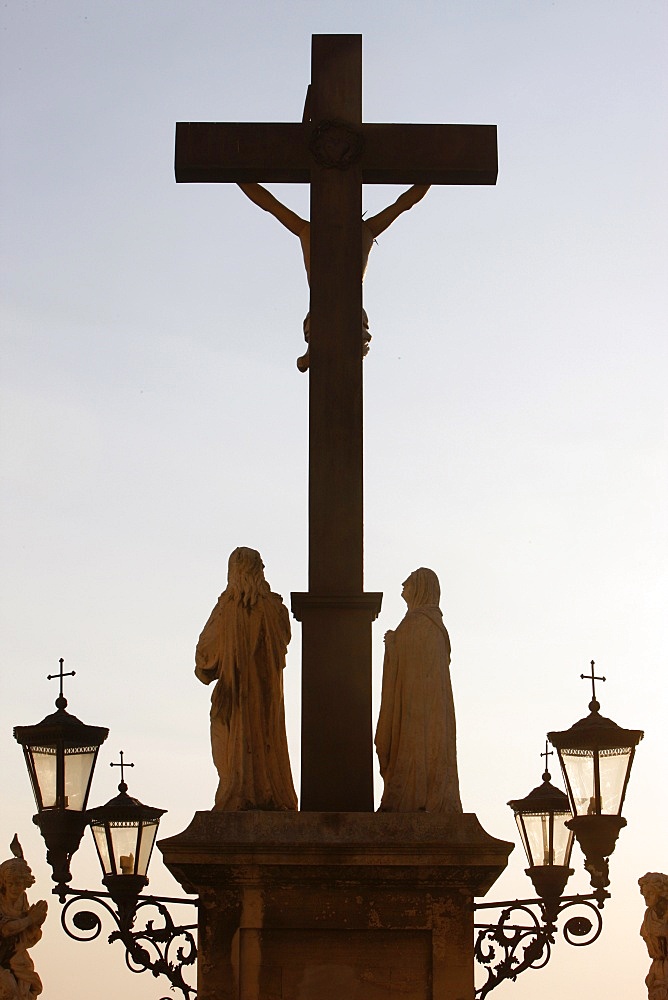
[
  {"x": 243, "y": 647},
  {"x": 415, "y": 737},
  {"x": 654, "y": 932},
  {"x": 20, "y": 929}
]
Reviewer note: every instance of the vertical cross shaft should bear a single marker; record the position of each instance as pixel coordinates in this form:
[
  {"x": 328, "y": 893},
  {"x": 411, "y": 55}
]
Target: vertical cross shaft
[
  {"x": 335, "y": 388},
  {"x": 336, "y": 615}
]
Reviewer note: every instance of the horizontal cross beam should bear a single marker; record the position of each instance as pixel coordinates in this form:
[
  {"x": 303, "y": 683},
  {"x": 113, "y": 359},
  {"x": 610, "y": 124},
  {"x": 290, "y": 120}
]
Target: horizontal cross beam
[{"x": 276, "y": 152}]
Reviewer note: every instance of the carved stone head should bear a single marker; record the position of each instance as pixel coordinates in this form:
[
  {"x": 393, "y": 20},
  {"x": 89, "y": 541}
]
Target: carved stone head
[
  {"x": 15, "y": 878},
  {"x": 245, "y": 576},
  {"x": 654, "y": 887},
  {"x": 421, "y": 589}
]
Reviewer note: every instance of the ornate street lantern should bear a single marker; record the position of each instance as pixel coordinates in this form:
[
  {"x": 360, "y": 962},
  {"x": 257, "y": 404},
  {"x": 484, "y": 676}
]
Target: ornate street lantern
[
  {"x": 541, "y": 818},
  {"x": 60, "y": 753},
  {"x": 596, "y": 757},
  {"x": 124, "y": 831}
]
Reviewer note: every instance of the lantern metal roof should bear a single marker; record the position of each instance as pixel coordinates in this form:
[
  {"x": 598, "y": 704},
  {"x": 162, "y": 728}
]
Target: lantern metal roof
[
  {"x": 61, "y": 726},
  {"x": 595, "y": 732},
  {"x": 123, "y": 809},
  {"x": 542, "y": 799}
]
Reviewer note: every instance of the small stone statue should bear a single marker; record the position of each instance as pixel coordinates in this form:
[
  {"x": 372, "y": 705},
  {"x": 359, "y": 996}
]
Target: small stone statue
[
  {"x": 20, "y": 929},
  {"x": 415, "y": 737},
  {"x": 371, "y": 228},
  {"x": 654, "y": 932},
  {"x": 243, "y": 647}
]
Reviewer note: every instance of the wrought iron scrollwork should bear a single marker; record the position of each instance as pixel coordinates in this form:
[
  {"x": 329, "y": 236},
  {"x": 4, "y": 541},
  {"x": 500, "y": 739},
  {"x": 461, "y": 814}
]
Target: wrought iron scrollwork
[
  {"x": 523, "y": 936},
  {"x": 160, "y": 946}
]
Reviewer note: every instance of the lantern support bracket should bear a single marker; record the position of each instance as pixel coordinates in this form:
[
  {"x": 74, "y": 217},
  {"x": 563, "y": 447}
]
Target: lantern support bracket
[
  {"x": 523, "y": 936},
  {"x": 163, "y": 950}
]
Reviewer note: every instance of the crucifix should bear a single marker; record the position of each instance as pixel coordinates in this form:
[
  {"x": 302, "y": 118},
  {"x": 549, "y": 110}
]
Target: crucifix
[{"x": 335, "y": 152}]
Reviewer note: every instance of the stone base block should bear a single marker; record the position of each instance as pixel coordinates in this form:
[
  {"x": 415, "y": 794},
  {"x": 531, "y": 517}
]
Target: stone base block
[{"x": 335, "y": 906}]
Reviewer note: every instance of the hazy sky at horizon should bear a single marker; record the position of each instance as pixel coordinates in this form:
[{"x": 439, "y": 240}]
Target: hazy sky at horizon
[{"x": 515, "y": 416}]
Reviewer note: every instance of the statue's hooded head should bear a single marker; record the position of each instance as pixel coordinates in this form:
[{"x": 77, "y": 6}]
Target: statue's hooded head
[
  {"x": 422, "y": 589},
  {"x": 245, "y": 576}
]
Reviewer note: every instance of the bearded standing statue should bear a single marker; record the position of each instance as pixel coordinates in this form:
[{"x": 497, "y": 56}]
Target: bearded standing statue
[
  {"x": 20, "y": 929},
  {"x": 242, "y": 648},
  {"x": 415, "y": 737},
  {"x": 654, "y": 932}
]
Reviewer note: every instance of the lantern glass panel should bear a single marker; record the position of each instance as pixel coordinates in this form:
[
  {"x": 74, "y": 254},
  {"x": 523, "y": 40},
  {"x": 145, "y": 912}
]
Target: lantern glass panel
[
  {"x": 124, "y": 840},
  {"x": 149, "y": 831},
  {"x": 613, "y": 765},
  {"x": 519, "y": 819},
  {"x": 44, "y": 763},
  {"x": 563, "y": 840},
  {"x": 543, "y": 849},
  {"x": 78, "y": 766},
  {"x": 579, "y": 768},
  {"x": 538, "y": 838},
  {"x": 100, "y": 834}
]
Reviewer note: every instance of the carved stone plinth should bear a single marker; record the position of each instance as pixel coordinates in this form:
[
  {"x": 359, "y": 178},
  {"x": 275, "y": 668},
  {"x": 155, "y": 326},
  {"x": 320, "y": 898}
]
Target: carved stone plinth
[{"x": 335, "y": 906}]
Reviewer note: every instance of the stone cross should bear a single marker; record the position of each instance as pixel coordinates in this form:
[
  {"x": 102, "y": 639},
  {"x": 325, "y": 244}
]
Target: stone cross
[{"x": 334, "y": 152}]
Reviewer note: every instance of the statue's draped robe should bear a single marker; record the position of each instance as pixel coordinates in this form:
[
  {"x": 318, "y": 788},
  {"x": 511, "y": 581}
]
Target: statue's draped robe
[
  {"x": 654, "y": 931},
  {"x": 415, "y": 737},
  {"x": 244, "y": 648},
  {"x": 19, "y": 967}
]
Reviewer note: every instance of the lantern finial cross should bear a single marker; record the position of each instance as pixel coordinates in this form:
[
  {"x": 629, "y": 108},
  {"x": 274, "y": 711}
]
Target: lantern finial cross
[
  {"x": 593, "y": 704},
  {"x": 122, "y": 787},
  {"x": 61, "y": 702},
  {"x": 546, "y": 753}
]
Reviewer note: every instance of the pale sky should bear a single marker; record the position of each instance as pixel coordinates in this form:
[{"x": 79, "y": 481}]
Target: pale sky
[{"x": 153, "y": 418}]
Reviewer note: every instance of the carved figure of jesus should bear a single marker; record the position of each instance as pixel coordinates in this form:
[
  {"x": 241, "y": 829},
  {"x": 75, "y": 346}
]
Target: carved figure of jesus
[{"x": 371, "y": 228}]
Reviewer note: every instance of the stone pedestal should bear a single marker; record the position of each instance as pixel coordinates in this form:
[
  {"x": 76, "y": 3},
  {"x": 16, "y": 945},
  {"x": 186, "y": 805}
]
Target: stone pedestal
[
  {"x": 335, "y": 906},
  {"x": 337, "y": 774}
]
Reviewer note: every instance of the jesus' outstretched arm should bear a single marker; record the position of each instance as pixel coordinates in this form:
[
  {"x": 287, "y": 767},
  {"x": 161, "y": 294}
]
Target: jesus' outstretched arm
[
  {"x": 379, "y": 223},
  {"x": 265, "y": 200}
]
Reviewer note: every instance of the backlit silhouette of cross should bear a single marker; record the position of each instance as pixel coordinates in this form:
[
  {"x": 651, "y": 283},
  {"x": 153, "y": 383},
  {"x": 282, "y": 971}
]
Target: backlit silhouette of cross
[
  {"x": 60, "y": 675},
  {"x": 121, "y": 765},
  {"x": 593, "y": 678},
  {"x": 335, "y": 152},
  {"x": 547, "y": 753}
]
